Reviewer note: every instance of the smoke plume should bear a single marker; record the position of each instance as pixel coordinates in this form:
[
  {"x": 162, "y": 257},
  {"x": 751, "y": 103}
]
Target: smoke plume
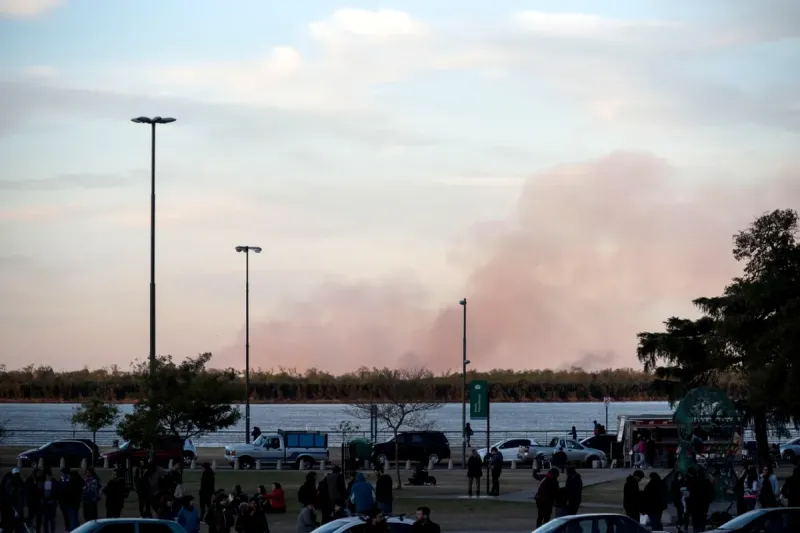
[{"x": 592, "y": 254}]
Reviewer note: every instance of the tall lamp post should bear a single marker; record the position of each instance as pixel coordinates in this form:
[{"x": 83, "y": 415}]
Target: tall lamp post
[
  {"x": 152, "y": 122},
  {"x": 247, "y": 250},
  {"x": 464, "y": 363}
]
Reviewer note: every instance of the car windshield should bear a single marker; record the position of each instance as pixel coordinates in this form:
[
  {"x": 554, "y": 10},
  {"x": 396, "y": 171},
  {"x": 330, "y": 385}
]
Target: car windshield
[
  {"x": 794, "y": 441},
  {"x": 43, "y": 446},
  {"x": 260, "y": 440},
  {"x": 125, "y": 445},
  {"x": 741, "y": 521},
  {"x": 330, "y": 527},
  {"x": 552, "y": 525}
]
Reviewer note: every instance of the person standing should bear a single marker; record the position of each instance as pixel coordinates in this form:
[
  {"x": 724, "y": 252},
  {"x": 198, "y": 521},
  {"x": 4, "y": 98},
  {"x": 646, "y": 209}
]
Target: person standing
[
  {"x": 48, "y": 497},
  {"x": 654, "y": 500},
  {"x": 474, "y": 473},
  {"x": 33, "y": 498},
  {"x": 424, "y": 524},
  {"x": 307, "y": 519},
  {"x": 188, "y": 517},
  {"x": 631, "y": 495},
  {"x": 791, "y": 488},
  {"x": 13, "y": 498},
  {"x": 70, "y": 495},
  {"x": 574, "y": 433},
  {"x": 574, "y": 486},
  {"x": 496, "y": 465},
  {"x": 362, "y": 494},
  {"x": 468, "y": 434},
  {"x": 383, "y": 493},
  {"x": 207, "y": 485},
  {"x": 91, "y": 495},
  {"x": 337, "y": 490},
  {"x": 115, "y": 492},
  {"x": 768, "y": 497},
  {"x": 650, "y": 452},
  {"x": 545, "y": 496}
]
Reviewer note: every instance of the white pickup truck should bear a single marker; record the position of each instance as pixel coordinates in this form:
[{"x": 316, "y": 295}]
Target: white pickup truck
[{"x": 301, "y": 449}]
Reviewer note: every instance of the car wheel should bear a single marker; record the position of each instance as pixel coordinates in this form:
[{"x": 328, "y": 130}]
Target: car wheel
[
  {"x": 188, "y": 457},
  {"x": 433, "y": 459},
  {"x": 304, "y": 464},
  {"x": 383, "y": 460},
  {"x": 590, "y": 461},
  {"x": 246, "y": 463}
]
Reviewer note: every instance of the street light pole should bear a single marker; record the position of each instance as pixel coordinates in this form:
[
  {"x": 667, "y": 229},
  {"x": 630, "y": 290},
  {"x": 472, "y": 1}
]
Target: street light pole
[
  {"x": 247, "y": 250},
  {"x": 464, "y": 363},
  {"x": 152, "y": 122}
]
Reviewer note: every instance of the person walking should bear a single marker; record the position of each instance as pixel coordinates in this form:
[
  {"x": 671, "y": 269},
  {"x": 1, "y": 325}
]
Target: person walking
[
  {"x": 474, "y": 473},
  {"x": 574, "y": 486},
  {"x": 383, "y": 493},
  {"x": 654, "y": 501},
  {"x": 545, "y": 496},
  {"x": 424, "y": 524},
  {"x": 496, "y": 465},
  {"x": 468, "y": 434},
  {"x": 206, "y": 492},
  {"x": 631, "y": 495}
]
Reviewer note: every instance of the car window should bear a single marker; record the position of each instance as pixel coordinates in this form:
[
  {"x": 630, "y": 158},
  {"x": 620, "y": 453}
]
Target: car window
[
  {"x": 417, "y": 439},
  {"x": 52, "y": 447},
  {"x": 77, "y": 448},
  {"x": 622, "y": 524},
  {"x": 515, "y": 443},
  {"x": 150, "y": 527},
  {"x": 118, "y": 527},
  {"x": 357, "y": 528},
  {"x": 585, "y": 525},
  {"x": 403, "y": 438},
  {"x": 572, "y": 445}
]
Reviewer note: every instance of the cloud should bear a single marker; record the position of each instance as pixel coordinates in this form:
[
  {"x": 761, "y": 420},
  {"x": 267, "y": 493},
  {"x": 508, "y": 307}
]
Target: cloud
[
  {"x": 41, "y": 71},
  {"x": 40, "y": 213},
  {"x": 68, "y": 181},
  {"x": 27, "y": 8},
  {"x": 593, "y": 253},
  {"x": 581, "y": 25}
]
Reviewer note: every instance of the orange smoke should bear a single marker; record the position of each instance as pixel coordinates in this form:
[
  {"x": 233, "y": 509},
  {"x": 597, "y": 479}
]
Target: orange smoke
[{"x": 594, "y": 253}]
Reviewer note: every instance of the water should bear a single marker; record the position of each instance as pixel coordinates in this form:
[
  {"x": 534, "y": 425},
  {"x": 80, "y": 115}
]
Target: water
[{"x": 34, "y": 424}]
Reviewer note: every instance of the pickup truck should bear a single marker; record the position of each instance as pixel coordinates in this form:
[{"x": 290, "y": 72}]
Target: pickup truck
[
  {"x": 301, "y": 449},
  {"x": 577, "y": 453}
]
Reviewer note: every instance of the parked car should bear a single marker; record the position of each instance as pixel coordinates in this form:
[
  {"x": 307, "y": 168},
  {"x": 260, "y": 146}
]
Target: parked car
[
  {"x": 357, "y": 524},
  {"x": 790, "y": 450},
  {"x": 576, "y": 452},
  {"x": 73, "y": 451},
  {"x": 167, "y": 449},
  {"x": 303, "y": 449},
  {"x": 777, "y": 520},
  {"x": 593, "y": 522},
  {"x": 527, "y": 454},
  {"x": 508, "y": 447},
  {"x": 421, "y": 446},
  {"x": 129, "y": 525},
  {"x": 608, "y": 445}
]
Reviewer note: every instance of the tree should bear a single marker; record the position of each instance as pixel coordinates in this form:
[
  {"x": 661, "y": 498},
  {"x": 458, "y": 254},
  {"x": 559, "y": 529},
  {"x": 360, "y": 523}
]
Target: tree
[
  {"x": 3, "y": 430},
  {"x": 752, "y": 330},
  {"x": 402, "y": 399},
  {"x": 94, "y": 415},
  {"x": 183, "y": 400}
]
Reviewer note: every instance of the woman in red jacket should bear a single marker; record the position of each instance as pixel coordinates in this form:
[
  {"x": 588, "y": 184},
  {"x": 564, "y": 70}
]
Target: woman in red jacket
[{"x": 276, "y": 499}]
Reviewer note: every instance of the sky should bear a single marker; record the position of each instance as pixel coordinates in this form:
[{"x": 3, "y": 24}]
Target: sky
[{"x": 575, "y": 169}]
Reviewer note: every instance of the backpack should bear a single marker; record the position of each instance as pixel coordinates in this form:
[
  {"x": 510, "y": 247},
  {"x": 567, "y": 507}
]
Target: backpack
[{"x": 91, "y": 491}]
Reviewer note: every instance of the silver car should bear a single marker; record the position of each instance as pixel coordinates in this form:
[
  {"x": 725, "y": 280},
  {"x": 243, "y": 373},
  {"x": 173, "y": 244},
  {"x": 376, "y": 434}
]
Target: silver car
[
  {"x": 508, "y": 447},
  {"x": 576, "y": 452},
  {"x": 791, "y": 449}
]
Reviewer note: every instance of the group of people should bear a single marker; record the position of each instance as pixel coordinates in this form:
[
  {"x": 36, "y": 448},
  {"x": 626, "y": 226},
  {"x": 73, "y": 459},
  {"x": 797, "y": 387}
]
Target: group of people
[
  {"x": 34, "y": 502},
  {"x": 551, "y": 496},
  {"x": 644, "y": 452},
  {"x": 475, "y": 471}
]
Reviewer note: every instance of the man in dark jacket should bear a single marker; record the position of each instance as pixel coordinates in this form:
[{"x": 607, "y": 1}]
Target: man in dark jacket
[
  {"x": 574, "y": 485},
  {"x": 424, "y": 524},
  {"x": 337, "y": 490},
  {"x": 307, "y": 494},
  {"x": 207, "y": 486},
  {"x": 383, "y": 493},
  {"x": 474, "y": 472},
  {"x": 70, "y": 497},
  {"x": 496, "y": 465},
  {"x": 546, "y": 495},
  {"x": 115, "y": 492},
  {"x": 791, "y": 488},
  {"x": 13, "y": 498},
  {"x": 631, "y": 496}
]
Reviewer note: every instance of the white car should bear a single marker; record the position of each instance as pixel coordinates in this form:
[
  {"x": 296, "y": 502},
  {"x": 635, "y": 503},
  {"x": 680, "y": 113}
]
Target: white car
[
  {"x": 397, "y": 524},
  {"x": 791, "y": 449},
  {"x": 508, "y": 447}
]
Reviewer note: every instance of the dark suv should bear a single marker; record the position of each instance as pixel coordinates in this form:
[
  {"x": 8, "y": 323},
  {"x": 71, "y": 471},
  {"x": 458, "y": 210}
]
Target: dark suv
[{"x": 421, "y": 446}]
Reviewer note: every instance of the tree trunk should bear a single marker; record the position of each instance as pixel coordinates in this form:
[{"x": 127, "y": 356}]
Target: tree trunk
[
  {"x": 94, "y": 441},
  {"x": 397, "y": 462},
  {"x": 762, "y": 439}
]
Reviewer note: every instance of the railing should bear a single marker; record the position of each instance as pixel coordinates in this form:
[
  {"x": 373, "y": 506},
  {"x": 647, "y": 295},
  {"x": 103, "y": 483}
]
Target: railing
[{"x": 19, "y": 437}]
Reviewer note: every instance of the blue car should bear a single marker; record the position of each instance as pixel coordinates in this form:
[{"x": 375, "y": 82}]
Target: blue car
[{"x": 129, "y": 525}]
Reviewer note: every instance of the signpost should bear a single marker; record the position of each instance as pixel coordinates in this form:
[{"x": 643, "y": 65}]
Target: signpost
[
  {"x": 607, "y": 400},
  {"x": 479, "y": 410}
]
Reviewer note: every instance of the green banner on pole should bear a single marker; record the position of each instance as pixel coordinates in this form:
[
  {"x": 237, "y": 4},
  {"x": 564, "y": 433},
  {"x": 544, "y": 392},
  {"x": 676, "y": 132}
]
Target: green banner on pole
[{"x": 478, "y": 399}]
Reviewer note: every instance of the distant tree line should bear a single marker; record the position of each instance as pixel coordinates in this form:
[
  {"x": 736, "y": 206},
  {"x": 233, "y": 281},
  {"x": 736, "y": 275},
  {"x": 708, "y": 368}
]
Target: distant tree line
[{"x": 40, "y": 384}]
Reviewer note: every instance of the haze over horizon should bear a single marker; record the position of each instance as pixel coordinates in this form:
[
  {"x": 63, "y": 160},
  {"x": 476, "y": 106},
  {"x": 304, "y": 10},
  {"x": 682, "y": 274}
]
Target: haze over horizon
[{"x": 575, "y": 171}]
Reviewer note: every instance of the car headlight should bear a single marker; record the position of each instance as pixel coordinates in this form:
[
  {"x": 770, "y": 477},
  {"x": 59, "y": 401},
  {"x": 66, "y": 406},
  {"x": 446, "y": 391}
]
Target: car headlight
[{"x": 233, "y": 453}]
